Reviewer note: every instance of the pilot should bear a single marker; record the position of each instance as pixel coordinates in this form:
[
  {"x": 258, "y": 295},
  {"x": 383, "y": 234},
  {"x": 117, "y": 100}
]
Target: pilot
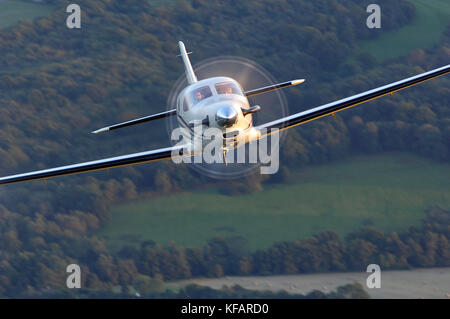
[{"x": 199, "y": 96}]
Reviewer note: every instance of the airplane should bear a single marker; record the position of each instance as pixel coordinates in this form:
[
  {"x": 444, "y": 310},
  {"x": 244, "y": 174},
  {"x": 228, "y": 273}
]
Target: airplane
[{"x": 222, "y": 103}]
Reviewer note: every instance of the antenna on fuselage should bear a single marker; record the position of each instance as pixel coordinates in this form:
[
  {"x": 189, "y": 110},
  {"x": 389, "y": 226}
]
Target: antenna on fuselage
[{"x": 190, "y": 75}]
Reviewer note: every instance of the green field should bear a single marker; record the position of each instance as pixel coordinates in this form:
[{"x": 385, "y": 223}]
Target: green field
[
  {"x": 389, "y": 191},
  {"x": 432, "y": 17},
  {"x": 13, "y": 11}
]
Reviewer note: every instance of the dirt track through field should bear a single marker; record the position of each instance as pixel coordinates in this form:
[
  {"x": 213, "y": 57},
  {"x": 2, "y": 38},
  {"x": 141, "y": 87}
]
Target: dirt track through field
[{"x": 418, "y": 283}]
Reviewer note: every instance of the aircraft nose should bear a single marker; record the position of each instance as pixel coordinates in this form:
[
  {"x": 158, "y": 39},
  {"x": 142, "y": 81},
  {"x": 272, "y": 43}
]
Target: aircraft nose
[{"x": 226, "y": 116}]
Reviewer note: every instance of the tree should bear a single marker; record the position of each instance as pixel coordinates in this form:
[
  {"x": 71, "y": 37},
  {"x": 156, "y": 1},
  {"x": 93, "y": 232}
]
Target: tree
[{"x": 162, "y": 181}]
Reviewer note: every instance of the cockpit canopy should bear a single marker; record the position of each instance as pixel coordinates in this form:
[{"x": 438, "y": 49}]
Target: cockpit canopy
[
  {"x": 201, "y": 93},
  {"x": 197, "y": 95},
  {"x": 227, "y": 88}
]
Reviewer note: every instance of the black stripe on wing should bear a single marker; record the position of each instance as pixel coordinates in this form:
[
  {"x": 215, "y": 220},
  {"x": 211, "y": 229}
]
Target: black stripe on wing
[
  {"x": 273, "y": 87},
  {"x": 137, "y": 121},
  {"x": 124, "y": 160},
  {"x": 330, "y": 108}
]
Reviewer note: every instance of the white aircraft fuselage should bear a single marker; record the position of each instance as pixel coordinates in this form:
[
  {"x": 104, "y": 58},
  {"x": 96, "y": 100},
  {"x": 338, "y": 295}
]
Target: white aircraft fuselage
[{"x": 217, "y": 102}]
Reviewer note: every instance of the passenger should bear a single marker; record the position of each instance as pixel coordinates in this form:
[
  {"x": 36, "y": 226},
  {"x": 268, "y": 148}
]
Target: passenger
[
  {"x": 228, "y": 90},
  {"x": 225, "y": 89}
]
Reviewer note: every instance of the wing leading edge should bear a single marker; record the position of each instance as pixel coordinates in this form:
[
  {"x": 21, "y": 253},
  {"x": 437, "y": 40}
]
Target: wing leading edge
[
  {"x": 137, "y": 121},
  {"x": 130, "y": 159},
  {"x": 333, "y": 107}
]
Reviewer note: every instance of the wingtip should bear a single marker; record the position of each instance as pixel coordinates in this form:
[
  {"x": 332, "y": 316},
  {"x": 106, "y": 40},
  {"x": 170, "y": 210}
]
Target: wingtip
[
  {"x": 102, "y": 130},
  {"x": 298, "y": 81}
]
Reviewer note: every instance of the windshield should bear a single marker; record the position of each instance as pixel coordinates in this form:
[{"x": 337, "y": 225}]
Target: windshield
[
  {"x": 228, "y": 88},
  {"x": 198, "y": 95}
]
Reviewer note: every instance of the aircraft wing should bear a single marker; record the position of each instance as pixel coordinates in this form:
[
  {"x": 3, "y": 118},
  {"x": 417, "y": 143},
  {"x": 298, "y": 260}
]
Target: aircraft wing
[
  {"x": 333, "y": 107},
  {"x": 137, "y": 121},
  {"x": 130, "y": 159}
]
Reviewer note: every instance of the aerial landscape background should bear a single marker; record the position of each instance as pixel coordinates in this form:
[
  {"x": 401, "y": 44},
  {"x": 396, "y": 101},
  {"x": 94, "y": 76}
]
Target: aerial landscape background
[{"x": 371, "y": 185}]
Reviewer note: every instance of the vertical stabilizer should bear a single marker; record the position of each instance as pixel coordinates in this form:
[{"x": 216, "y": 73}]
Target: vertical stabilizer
[{"x": 187, "y": 64}]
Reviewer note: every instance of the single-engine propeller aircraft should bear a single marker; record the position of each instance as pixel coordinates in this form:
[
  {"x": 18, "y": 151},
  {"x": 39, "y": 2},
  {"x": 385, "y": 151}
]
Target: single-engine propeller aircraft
[{"x": 222, "y": 103}]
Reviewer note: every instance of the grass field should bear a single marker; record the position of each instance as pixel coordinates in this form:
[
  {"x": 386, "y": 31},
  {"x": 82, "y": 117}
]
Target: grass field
[
  {"x": 432, "y": 17},
  {"x": 389, "y": 191},
  {"x": 13, "y": 11}
]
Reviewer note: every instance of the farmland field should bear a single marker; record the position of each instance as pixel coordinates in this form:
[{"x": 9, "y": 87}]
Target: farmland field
[
  {"x": 432, "y": 17},
  {"x": 387, "y": 191},
  {"x": 13, "y": 11}
]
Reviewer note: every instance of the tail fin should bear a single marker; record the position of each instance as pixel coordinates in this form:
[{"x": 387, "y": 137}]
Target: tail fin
[{"x": 187, "y": 64}]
